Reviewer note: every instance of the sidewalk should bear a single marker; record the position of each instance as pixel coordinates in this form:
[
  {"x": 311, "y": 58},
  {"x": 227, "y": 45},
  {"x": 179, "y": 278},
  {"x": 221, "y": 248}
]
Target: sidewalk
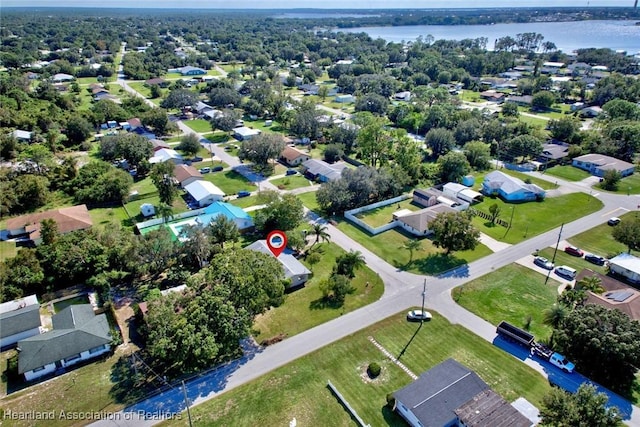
[{"x": 493, "y": 244}]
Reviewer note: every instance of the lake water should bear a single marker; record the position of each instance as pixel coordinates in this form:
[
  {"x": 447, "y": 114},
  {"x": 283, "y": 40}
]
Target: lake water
[{"x": 568, "y": 36}]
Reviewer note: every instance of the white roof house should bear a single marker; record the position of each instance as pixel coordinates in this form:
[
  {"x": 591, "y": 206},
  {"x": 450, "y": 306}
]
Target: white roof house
[
  {"x": 626, "y": 265},
  {"x": 165, "y": 154},
  {"x": 293, "y": 269},
  {"x": 204, "y": 192},
  {"x": 461, "y": 192},
  {"x": 22, "y": 135},
  {"x": 244, "y": 133}
]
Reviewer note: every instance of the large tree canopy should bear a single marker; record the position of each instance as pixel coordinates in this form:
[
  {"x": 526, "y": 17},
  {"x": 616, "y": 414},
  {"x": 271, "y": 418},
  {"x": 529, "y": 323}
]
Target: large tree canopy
[
  {"x": 454, "y": 232},
  {"x": 604, "y": 344},
  {"x": 586, "y": 407}
]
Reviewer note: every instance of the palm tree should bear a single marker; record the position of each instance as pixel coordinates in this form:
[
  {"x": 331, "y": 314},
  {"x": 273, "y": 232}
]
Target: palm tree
[
  {"x": 165, "y": 211},
  {"x": 320, "y": 231},
  {"x": 591, "y": 283},
  {"x": 412, "y": 245},
  {"x": 347, "y": 263},
  {"x": 555, "y": 315}
]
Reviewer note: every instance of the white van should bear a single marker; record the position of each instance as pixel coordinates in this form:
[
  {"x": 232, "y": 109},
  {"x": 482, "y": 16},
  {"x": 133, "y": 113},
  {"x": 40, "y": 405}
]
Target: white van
[{"x": 566, "y": 272}]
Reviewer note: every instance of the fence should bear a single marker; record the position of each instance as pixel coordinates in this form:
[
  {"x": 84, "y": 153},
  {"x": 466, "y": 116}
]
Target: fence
[
  {"x": 351, "y": 215},
  {"x": 157, "y": 221},
  {"x": 487, "y": 216},
  {"x": 348, "y": 407}
]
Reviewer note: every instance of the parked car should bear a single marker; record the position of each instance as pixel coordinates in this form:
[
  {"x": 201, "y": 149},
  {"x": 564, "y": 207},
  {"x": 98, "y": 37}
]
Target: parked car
[
  {"x": 613, "y": 221},
  {"x": 566, "y": 272},
  {"x": 291, "y": 172},
  {"x": 243, "y": 193},
  {"x": 418, "y": 315},
  {"x": 217, "y": 169},
  {"x": 196, "y": 159},
  {"x": 572, "y": 250},
  {"x": 541, "y": 261},
  {"x": 205, "y": 170},
  {"x": 227, "y": 148},
  {"x": 595, "y": 259}
]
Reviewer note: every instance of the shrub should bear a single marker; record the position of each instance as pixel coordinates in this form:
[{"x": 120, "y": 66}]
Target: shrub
[
  {"x": 391, "y": 401},
  {"x": 374, "y": 370}
]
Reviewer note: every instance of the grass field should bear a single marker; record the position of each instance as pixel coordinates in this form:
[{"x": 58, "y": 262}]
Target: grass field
[
  {"x": 309, "y": 200},
  {"x": 141, "y": 88},
  {"x": 533, "y": 218},
  {"x": 291, "y": 182},
  {"x": 511, "y": 293},
  {"x": 384, "y": 214},
  {"x": 229, "y": 181},
  {"x": 427, "y": 260},
  {"x": 245, "y": 202},
  {"x": 599, "y": 240},
  {"x": 299, "y": 389},
  {"x": 7, "y": 250},
  {"x": 304, "y": 308},
  {"x": 534, "y": 121},
  {"x": 198, "y": 125},
  {"x": 568, "y": 173},
  {"x": 627, "y": 185}
]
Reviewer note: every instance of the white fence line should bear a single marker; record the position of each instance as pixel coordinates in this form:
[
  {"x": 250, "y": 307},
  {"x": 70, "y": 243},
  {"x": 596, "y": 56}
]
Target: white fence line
[
  {"x": 157, "y": 221},
  {"x": 344, "y": 402},
  {"x": 350, "y": 215}
]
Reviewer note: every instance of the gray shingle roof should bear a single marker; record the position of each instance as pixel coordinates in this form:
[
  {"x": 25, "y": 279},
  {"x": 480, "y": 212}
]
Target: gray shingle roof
[
  {"x": 292, "y": 267},
  {"x": 16, "y": 321},
  {"x": 80, "y": 331},
  {"x": 437, "y": 393}
]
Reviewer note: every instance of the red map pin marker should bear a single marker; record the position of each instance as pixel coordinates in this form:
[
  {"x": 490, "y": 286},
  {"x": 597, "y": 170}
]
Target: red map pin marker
[{"x": 277, "y": 242}]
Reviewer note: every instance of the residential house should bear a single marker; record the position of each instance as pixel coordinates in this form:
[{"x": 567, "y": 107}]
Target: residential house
[
  {"x": 309, "y": 89},
  {"x": 599, "y": 164},
  {"x": 202, "y": 107},
  {"x": 417, "y": 222},
  {"x": 492, "y": 96},
  {"x": 204, "y": 192},
  {"x": 459, "y": 191},
  {"x": 577, "y": 106},
  {"x": 165, "y": 154},
  {"x": 244, "y": 133},
  {"x": 345, "y": 99},
  {"x": 22, "y": 135},
  {"x": 294, "y": 270},
  {"x": 158, "y": 144},
  {"x": 293, "y": 157},
  {"x": 134, "y": 124},
  {"x": 62, "y": 77},
  {"x": 523, "y": 101},
  {"x": 68, "y": 219},
  {"x": 616, "y": 295},
  {"x": 510, "y": 188},
  {"x": 19, "y": 319},
  {"x": 157, "y": 81},
  {"x": 627, "y": 266},
  {"x": 553, "y": 153},
  {"x": 185, "y": 175},
  {"x": 243, "y": 220},
  {"x": 402, "y": 96},
  {"x": 77, "y": 335},
  {"x": 594, "y": 111},
  {"x": 322, "y": 171},
  {"x": 191, "y": 71},
  {"x": 450, "y": 394}
]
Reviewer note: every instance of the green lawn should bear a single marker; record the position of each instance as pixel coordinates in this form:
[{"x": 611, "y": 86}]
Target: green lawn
[
  {"x": 511, "y": 293},
  {"x": 384, "y": 214},
  {"x": 259, "y": 124},
  {"x": 309, "y": 200},
  {"x": 299, "y": 389},
  {"x": 599, "y": 240},
  {"x": 291, "y": 182},
  {"x": 229, "y": 181},
  {"x": 7, "y": 250},
  {"x": 568, "y": 173},
  {"x": 305, "y": 308},
  {"x": 627, "y": 185},
  {"x": 533, "y": 218},
  {"x": 110, "y": 215},
  {"x": 140, "y": 87},
  {"x": 427, "y": 260},
  {"x": 534, "y": 121},
  {"x": 217, "y": 137},
  {"x": 198, "y": 125},
  {"x": 245, "y": 202},
  {"x": 69, "y": 393}
]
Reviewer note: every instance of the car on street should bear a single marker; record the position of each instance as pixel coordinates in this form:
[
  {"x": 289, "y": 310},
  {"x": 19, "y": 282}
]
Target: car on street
[
  {"x": 595, "y": 259},
  {"x": 217, "y": 169},
  {"x": 243, "y": 193},
  {"x": 196, "y": 159},
  {"x": 205, "y": 170},
  {"x": 541, "y": 261},
  {"x": 613, "y": 221},
  {"x": 575, "y": 251},
  {"x": 418, "y": 316}
]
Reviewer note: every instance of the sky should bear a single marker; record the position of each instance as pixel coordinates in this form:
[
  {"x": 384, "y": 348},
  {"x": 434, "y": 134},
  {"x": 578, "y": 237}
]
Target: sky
[{"x": 319, "y": 4}]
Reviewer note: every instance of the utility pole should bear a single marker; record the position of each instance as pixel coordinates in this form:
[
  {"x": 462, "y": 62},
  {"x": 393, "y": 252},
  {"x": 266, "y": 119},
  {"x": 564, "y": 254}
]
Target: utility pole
[
  {"x": 555, "y": 251},
  {"x": 424, "y": 294},
  {"x": 186, "y": 402}
]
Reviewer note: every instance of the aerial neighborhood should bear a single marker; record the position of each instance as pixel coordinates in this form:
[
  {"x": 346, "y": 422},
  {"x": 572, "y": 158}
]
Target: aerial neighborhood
[{"x": 277, "y": 217}]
